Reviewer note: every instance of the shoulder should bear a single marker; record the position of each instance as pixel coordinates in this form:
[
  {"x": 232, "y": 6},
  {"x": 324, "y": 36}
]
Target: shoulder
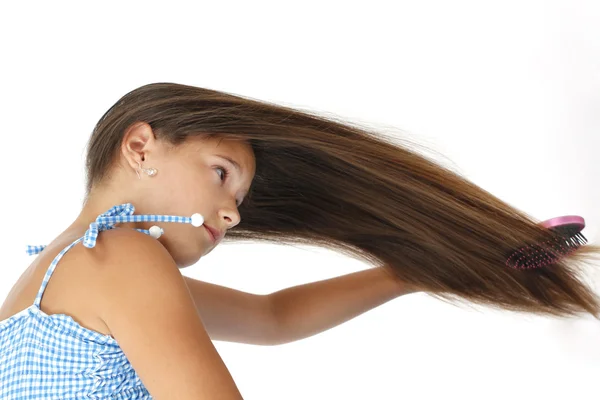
[
  {"x": 145, "y": 303},
  {"x": 130, "y": 265},
  {"x": 115, "y": 246},
  {"x": 124, "y": 258}
]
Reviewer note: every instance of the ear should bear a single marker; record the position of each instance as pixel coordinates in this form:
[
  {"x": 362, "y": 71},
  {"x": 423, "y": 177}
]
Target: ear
[{"x": 138, "y": 142}]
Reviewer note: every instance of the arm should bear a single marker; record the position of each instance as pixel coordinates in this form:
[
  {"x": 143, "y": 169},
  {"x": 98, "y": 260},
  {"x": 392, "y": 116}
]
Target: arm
[
  {"x": 293, "y": 313},
  {"x": 305, "y": 310},
  {"x": 147, "y": 306},
  {"x": 233, "y": 315}
]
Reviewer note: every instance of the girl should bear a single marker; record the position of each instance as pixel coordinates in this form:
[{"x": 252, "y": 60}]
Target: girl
[{"x": 172, "y": 168}]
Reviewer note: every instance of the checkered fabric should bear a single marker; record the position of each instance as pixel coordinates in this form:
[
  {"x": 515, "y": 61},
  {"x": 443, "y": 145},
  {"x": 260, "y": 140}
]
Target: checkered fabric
[{"x": 53, "y": 357}]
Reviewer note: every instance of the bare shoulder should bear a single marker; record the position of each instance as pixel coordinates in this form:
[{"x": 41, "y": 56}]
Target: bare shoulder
[
  {"x": 123, "y": 242},
  {"x": 147, "y": 306}
]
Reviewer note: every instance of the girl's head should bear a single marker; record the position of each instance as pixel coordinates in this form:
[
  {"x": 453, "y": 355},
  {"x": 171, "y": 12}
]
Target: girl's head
[
  {"x": 201, "y": 174},
  {"x": 308, "y": 179},
  {"x": 198, "y": 170}
]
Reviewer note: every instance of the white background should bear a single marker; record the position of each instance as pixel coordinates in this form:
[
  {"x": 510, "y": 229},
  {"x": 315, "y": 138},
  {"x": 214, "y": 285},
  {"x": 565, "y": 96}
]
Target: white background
[{"x": 508, "y": 91}]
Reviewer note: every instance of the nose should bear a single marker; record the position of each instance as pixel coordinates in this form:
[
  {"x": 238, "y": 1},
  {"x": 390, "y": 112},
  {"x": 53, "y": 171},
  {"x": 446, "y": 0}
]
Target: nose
[{"x": 231, "y": 217}]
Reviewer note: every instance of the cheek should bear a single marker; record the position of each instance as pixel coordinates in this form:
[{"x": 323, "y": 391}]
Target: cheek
[
  {"x": 185, "y": 191},
  {"x": 186, "y": 188}
]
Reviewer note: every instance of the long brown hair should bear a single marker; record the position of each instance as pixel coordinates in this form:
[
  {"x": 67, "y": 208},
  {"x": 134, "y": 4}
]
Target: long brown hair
[{"x": 324, "y": 182}]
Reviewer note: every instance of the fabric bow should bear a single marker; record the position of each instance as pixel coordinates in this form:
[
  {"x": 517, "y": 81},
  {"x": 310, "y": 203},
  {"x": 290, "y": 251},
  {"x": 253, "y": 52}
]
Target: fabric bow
[{"x": 106, "y": 221}]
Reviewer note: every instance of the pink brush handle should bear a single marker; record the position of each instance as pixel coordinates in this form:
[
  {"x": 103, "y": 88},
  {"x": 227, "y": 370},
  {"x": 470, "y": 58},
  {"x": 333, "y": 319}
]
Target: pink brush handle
[{"x": 565, "y": 220}]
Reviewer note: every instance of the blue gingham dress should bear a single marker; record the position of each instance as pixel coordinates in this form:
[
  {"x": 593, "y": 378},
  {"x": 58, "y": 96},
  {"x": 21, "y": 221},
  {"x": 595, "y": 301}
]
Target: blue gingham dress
[{"x": 53, "y": 357}]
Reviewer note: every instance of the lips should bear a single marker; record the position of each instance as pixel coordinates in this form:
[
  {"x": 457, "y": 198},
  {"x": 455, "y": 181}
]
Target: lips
[{"x": 216, "y": 236}]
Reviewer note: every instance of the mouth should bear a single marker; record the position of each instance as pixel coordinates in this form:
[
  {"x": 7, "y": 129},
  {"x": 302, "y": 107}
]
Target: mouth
[{"x": 211, "y": 233}]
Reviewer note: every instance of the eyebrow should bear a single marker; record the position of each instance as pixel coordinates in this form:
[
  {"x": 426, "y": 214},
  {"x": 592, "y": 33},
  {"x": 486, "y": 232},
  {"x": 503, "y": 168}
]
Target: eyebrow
[{"x": 232, "y": 161}]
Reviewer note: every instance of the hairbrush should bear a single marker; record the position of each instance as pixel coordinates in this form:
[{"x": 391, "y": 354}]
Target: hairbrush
[{"x": 568, "y": 239}]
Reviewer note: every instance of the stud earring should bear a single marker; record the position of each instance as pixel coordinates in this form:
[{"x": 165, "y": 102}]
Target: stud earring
[{"x": 149, "y": 171}]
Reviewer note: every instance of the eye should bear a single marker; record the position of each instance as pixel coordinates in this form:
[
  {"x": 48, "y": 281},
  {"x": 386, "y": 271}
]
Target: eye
[
  {"x": 225, "y": 173},
  {"x": 224, "y": 178}
]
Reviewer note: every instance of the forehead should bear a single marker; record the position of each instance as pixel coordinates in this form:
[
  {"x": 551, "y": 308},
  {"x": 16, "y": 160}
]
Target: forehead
[{"x": 239, "y": 149}]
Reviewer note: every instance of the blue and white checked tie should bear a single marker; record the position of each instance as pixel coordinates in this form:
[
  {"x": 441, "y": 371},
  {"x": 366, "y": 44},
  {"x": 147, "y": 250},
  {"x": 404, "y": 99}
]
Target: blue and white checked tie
[{"x": 123, "y": 213}]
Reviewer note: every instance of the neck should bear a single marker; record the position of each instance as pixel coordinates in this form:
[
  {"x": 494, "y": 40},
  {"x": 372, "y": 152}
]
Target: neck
[{"x": 94, "y": 206}]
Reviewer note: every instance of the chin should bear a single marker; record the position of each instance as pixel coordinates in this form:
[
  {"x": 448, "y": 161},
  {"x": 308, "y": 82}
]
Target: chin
[
  {"x": 207, "y": 251},
  {"x": 188, "y": 258},
  {"x": 188, "y": 262},
  {"x": 190, "y": 253}
]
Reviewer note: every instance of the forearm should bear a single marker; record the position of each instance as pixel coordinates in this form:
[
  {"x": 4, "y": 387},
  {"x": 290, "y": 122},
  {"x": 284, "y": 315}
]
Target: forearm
[{"x": 305, "y": 310}]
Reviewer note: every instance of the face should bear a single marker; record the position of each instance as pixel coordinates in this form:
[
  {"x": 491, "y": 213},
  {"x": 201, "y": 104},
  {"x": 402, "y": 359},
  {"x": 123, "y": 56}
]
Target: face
[{"x": 193, "y": 177}]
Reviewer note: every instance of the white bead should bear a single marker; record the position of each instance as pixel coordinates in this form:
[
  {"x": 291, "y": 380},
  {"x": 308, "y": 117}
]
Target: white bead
[
  {"x": 197, "y": 219},
  {"x": 156, "y": 232}
]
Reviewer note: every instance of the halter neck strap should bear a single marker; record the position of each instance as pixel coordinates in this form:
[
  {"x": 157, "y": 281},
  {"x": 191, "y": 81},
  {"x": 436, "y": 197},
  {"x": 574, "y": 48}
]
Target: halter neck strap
[
  {"x": 119, "y": 214},
  {"x": 106, "y": 221}
]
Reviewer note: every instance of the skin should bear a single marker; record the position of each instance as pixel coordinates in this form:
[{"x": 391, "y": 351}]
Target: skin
[
  {"x": 130, "y": 285},
  {"x": 188, "y": 181}
]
